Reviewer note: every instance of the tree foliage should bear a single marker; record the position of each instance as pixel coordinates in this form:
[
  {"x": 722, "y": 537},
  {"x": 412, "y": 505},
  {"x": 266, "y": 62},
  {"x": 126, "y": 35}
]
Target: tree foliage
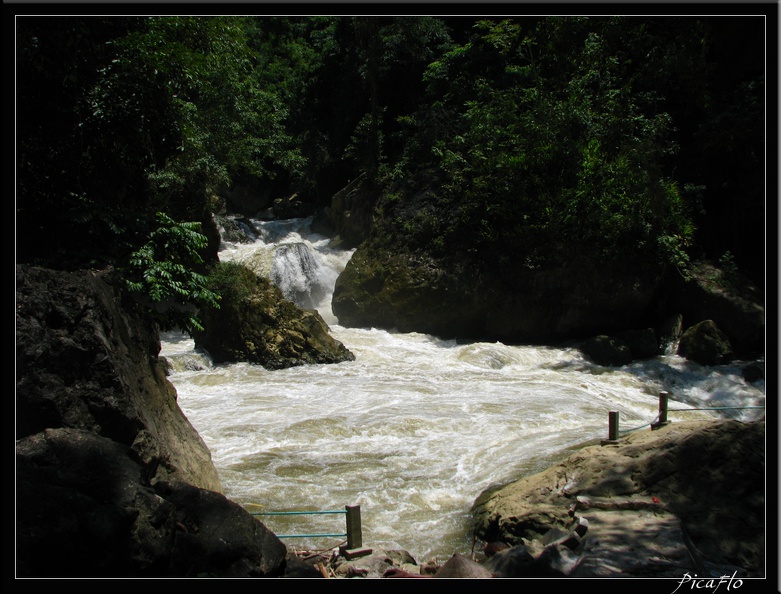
[
  {"x": 525, "y": 139},
  {"x": 161, "y": 272},
  {"x": 547, "y": 146},
  {"x": 79, "y": 187}
]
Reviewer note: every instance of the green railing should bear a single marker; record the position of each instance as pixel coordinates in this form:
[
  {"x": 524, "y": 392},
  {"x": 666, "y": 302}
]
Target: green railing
[
  {"x": 661, "y": 419},
  {"x": 352, "y": 524}
]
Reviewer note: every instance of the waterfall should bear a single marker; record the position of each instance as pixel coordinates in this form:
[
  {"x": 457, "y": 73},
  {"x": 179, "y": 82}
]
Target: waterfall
[
  {"x": 298, "y": 274},
  {"x": 416, "y": 427},
  {"x": 301, "y": 263}
]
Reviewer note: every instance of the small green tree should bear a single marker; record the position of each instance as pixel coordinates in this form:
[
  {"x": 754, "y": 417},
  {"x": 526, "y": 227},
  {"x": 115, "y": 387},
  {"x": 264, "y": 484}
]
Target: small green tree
[{"x": 162, "y": 272}]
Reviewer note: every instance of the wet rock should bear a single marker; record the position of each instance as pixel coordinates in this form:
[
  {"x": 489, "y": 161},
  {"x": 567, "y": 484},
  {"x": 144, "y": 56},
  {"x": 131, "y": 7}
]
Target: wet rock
[
  {"x": 459, "y": 566},
  {"x": 643, "y": 343},
  {"x": 291, "y": 207},
  {"x": 670, "y": 332},
  {"x": 376, "y": 564},
  {"x": 706, "y": 344},
  {"x": 255, "y": 323},
  {"x": 753, "y": 373},
  {"x": 608, "y": 351},
  {"x": 236, "y": 229},
  {"x": 86, "y": 509}
]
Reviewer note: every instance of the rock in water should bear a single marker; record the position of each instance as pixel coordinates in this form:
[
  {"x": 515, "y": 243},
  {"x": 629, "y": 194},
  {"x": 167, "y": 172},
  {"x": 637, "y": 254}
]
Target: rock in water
[{"x": 255, "y": 323}]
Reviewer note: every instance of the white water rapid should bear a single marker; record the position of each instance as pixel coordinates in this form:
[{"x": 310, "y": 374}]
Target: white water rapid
[{"x": 416, "y": 427}]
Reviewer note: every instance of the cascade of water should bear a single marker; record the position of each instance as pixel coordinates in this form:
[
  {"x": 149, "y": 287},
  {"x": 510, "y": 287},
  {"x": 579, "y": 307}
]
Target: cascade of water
[
  {"x": 297, "y": 273},
  {"x": 301, "y": 263},
  {"x": 416, "y": 427}
]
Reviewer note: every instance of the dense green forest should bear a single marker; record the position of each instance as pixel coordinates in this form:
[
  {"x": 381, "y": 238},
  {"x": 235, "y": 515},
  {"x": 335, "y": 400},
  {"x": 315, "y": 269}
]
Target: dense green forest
[{"x": 534, "y": 136}]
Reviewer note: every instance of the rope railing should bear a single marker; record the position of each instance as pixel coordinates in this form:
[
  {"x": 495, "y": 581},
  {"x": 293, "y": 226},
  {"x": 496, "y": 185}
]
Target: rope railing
[
  {"x": 353, "y": 532},
  {"x": 633, "y": 429},
  {"x": 661, "y": 419},
  {"x": 716, "y": 408}
]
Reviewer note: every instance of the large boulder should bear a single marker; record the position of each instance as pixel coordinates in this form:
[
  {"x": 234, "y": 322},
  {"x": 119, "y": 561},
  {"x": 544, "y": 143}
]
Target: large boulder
[
  {"x": 706, "y": 344},
  {"x": 621, "y": 349},
  {"x": 732, "y": 303},
  {"x": 424, "y": 265},
  {"x": 413, "y": 291},
  {"x": 291, "y": 207},
  {"x": 605, "y": 350},
  {"x": 684, "y": 497},
  {"x": 255, "y": 323},
  {"x": 236, "y": 229},
  {"x": 111, "y": 478},
  {"x": 85, "y": 508},
  {"x": 643, "y": 343},
  {"x": 85, "y": 360}
]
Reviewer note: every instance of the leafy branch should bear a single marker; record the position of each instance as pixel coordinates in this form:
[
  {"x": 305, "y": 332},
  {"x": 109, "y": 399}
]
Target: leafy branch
[{"x": 162, "y": 272}]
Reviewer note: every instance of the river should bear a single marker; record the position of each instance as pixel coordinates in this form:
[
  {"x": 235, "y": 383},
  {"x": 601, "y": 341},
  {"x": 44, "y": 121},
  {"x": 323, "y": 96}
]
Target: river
[{"x": 416, "y": 427}]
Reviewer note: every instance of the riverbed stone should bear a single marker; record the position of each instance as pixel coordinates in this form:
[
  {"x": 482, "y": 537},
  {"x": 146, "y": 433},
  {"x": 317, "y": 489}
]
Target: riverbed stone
[
  {"x": 706, "y": 344},
  {"x": 257, "y": 324},
  {"x": 690, "y": 492},
  {"x": 606, "y": 350}
]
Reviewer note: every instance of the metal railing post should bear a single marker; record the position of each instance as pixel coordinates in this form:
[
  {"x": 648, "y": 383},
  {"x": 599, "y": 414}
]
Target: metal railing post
[
  {"x": 663, "y": 398},
  {"x": 353, "y": 547},
  {"x": 354, "y": 536},
  {"x": 612, "y": 428}
]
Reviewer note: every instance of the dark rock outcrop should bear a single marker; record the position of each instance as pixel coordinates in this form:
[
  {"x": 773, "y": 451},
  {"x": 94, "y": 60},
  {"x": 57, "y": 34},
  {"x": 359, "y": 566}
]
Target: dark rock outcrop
[
  {"x": 291, "y": 207},
  {"x": 408, "y": 273},
  {"x": 236, "y": 229},
  {"x": 605, "y": 350},
  {"x": 754, "y": 373},
  {"x": 86, "y": 509},
  {"x": 85, "y": 361},
  {"x": 621, "y": 349},
  {"x": 112, "y": 479},
  {"x": 387, "y": 288},
  {"x": 642, "y": 343},
  {"x": 415, "y": 292},
  {"x": 736, "y": 307},
  {"x": 350, "y": 213},
  {"x": 260, "y": 326},
  {"x": 706, "y": 344}
]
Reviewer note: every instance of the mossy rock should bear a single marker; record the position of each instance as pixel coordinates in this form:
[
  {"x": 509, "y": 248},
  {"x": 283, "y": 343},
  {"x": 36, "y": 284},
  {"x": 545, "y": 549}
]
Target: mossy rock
[{"x": 256, "y": 324}]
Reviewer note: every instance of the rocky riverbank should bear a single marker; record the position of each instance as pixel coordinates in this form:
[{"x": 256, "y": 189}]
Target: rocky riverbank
[
  {"x": 686, "y": 498},
  {"x": 113, "y": 481}
]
